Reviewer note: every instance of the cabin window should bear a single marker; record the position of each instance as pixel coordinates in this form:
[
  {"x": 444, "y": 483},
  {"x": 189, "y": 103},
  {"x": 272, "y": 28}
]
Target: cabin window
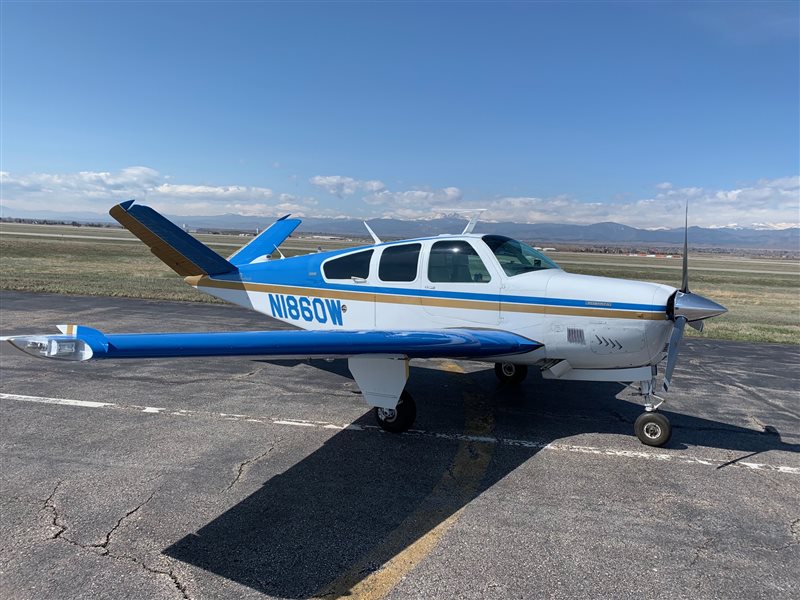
[
  {"x": 515, "y": 257},
  {"x": 347, "y": 267},
  {"x": 456, "y": 262},
  {"x": 399, "y": 263}
]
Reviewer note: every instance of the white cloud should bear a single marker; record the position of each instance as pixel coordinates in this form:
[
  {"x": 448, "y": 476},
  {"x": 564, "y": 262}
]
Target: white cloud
[
  {"x": 93, "y": 191},
  {"x": 764, "y": 204},
  {"x": 345, "y": 186},
  {"x": 212, "y": 191},
  {"x": 397, "y": 203}
]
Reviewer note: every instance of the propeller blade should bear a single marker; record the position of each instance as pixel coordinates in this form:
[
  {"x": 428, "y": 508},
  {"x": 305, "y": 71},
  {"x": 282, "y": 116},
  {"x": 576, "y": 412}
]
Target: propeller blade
[
  {"x": 685, "y": 281},
  {"x": 698, "y": 325},
  {"x": 672, "y": 354}
]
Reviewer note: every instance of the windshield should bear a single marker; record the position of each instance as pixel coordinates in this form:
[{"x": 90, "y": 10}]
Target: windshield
[{"x": 515, "y": 257}]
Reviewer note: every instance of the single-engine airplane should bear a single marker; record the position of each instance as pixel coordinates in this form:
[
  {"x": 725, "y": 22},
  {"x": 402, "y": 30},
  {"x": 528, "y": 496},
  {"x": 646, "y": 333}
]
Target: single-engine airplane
[{"x": 470, "y": 296}]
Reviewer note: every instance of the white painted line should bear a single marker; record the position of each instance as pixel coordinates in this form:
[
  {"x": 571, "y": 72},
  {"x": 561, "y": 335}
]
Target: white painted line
[
  {"x": 63, "y": 401},
  {"x": 654, "y": 455},
  {"x": 295, "y": 423}
]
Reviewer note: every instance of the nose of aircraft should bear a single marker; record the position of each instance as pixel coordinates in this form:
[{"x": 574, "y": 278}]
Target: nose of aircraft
[{"x": 694, "y": 307}]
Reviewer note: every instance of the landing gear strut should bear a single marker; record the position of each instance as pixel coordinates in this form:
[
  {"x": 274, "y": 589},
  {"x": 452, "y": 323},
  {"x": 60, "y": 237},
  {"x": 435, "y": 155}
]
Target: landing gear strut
[
  {"x": 399, "y": 419},
  {"x": 651, "y": 427},
  {"x": 510, "y": 373}
]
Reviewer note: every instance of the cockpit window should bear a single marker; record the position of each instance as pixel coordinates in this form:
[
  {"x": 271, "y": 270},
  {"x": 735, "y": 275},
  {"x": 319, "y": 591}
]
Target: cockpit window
[
  {"x": 456, "y": 262},
  {"x": 515, "y": 257}
]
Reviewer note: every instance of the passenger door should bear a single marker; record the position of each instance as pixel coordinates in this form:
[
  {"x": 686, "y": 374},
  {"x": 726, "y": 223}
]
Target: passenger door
[{"x": 397, "y": 283}]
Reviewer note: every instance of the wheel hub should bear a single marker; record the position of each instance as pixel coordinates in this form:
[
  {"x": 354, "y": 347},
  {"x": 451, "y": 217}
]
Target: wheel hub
[
  {"x": 508, "y": 369},
  {"x": 387, "y": 414},
  {"x": 652, "y": 430}
]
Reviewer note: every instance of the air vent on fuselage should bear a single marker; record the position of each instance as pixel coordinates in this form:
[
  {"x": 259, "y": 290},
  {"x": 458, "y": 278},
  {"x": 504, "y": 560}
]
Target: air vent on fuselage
[{"x": 575, "y": 336}]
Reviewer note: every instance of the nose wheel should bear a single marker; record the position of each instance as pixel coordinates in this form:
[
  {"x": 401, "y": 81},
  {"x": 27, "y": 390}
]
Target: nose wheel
[
  {"x": 653, "y": 428},
  {"x": 400, "y": 418},
  {"x": 510, "y": 373}
]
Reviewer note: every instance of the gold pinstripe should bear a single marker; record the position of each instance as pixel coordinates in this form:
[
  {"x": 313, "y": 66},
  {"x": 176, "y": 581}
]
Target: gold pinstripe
[
  {"x": 175, "y": 260},
  {"x": 204, "y": 281}
]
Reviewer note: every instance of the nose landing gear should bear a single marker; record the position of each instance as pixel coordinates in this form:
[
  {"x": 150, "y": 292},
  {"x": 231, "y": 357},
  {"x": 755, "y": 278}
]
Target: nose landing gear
[{"x": 651, "y": 427}]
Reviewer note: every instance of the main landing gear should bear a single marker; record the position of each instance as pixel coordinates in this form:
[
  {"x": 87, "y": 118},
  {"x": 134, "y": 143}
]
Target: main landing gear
[
  {"x": 651, "y": 427},
  {"x": 399, "y": 419},
  {"x": 510, "y": 373}
]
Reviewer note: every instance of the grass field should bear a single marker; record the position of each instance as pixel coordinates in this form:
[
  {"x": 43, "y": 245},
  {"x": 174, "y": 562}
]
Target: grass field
[{"x": 762, "y": 296}]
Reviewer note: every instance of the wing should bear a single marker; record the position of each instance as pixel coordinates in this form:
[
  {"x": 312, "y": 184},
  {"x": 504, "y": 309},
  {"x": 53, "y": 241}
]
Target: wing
[
  {"x": 378, "y": 360},
  {"x": 84, "y": 343}
]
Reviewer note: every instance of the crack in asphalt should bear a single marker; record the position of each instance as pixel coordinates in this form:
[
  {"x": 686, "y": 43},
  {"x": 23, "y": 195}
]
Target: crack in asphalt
[
  {"x": 243, "y": 466},
  {"x": 56, "y": 521},
  {"x": 179, "y": 585},
  {"x": 247, "y": 376},
  {"x": 702, "y": 548},
  {"x": 104, "y": 545},
  {"x": 56, "y": 517},
  {"x": 750, "y": 390},
  {"x": 794, "y": 528}
]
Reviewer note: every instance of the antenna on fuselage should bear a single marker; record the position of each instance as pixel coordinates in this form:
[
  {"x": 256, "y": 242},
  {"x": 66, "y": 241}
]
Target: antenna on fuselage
[
  {"x": 375, "y": 238},
  {"x": 473, "y": 220}
]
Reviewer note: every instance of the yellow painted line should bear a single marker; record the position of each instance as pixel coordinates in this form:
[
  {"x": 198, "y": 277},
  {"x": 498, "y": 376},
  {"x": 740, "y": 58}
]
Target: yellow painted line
[
  {"x": 419, "y": 534},
  {"x": 206, "y": 282}
]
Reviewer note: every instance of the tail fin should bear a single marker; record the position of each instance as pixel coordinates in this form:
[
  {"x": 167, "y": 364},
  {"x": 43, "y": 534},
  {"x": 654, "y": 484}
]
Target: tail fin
[
  {"x": 180, "y": 251},
  {"x": 266, "y": 242}
]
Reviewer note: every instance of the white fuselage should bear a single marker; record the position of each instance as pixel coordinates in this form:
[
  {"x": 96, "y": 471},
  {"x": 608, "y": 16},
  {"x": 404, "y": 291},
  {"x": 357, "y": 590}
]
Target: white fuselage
[{"x": 591, "y": 322}]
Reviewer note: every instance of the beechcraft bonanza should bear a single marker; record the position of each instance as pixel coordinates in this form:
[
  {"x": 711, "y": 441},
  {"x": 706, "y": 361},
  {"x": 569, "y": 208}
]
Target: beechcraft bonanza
[{"x": 469, "y": 296}]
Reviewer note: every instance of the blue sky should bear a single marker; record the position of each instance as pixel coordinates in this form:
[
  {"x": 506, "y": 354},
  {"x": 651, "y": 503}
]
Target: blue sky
[{"x": 570, "y": 112}]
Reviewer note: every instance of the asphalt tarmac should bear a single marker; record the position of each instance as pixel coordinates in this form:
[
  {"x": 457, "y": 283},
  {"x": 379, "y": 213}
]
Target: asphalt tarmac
[{"x": 243, "y": 478}]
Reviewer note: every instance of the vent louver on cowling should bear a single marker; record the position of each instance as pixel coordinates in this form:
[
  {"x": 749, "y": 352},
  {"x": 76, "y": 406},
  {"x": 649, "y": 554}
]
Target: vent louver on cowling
[
  {"x": 608, "y": 342},
  {"x": 575, "y": 336}
]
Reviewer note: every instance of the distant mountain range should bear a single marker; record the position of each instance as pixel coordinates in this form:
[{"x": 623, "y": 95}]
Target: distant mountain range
[{"x": 540, "y": 233}]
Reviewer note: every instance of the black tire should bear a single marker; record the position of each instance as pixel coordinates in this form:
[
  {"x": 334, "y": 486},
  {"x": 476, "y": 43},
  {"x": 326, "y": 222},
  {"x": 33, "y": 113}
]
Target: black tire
[
  {"x": 401, "y": 418},
  {"x": 653, "y": 429},
  {"x": 510, "y": 373}
]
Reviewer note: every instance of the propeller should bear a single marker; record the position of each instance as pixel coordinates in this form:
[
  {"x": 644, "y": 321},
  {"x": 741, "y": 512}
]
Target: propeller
[{"x": 686, "y": 307}]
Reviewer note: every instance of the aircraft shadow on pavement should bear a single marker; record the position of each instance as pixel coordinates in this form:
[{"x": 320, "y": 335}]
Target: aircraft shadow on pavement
[{"x": 339, "y": 514}]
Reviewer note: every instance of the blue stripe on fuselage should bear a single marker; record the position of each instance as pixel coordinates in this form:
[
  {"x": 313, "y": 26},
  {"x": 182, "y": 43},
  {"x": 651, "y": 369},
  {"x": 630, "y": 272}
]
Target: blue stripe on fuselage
[{"x": 305, "y": 272}]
